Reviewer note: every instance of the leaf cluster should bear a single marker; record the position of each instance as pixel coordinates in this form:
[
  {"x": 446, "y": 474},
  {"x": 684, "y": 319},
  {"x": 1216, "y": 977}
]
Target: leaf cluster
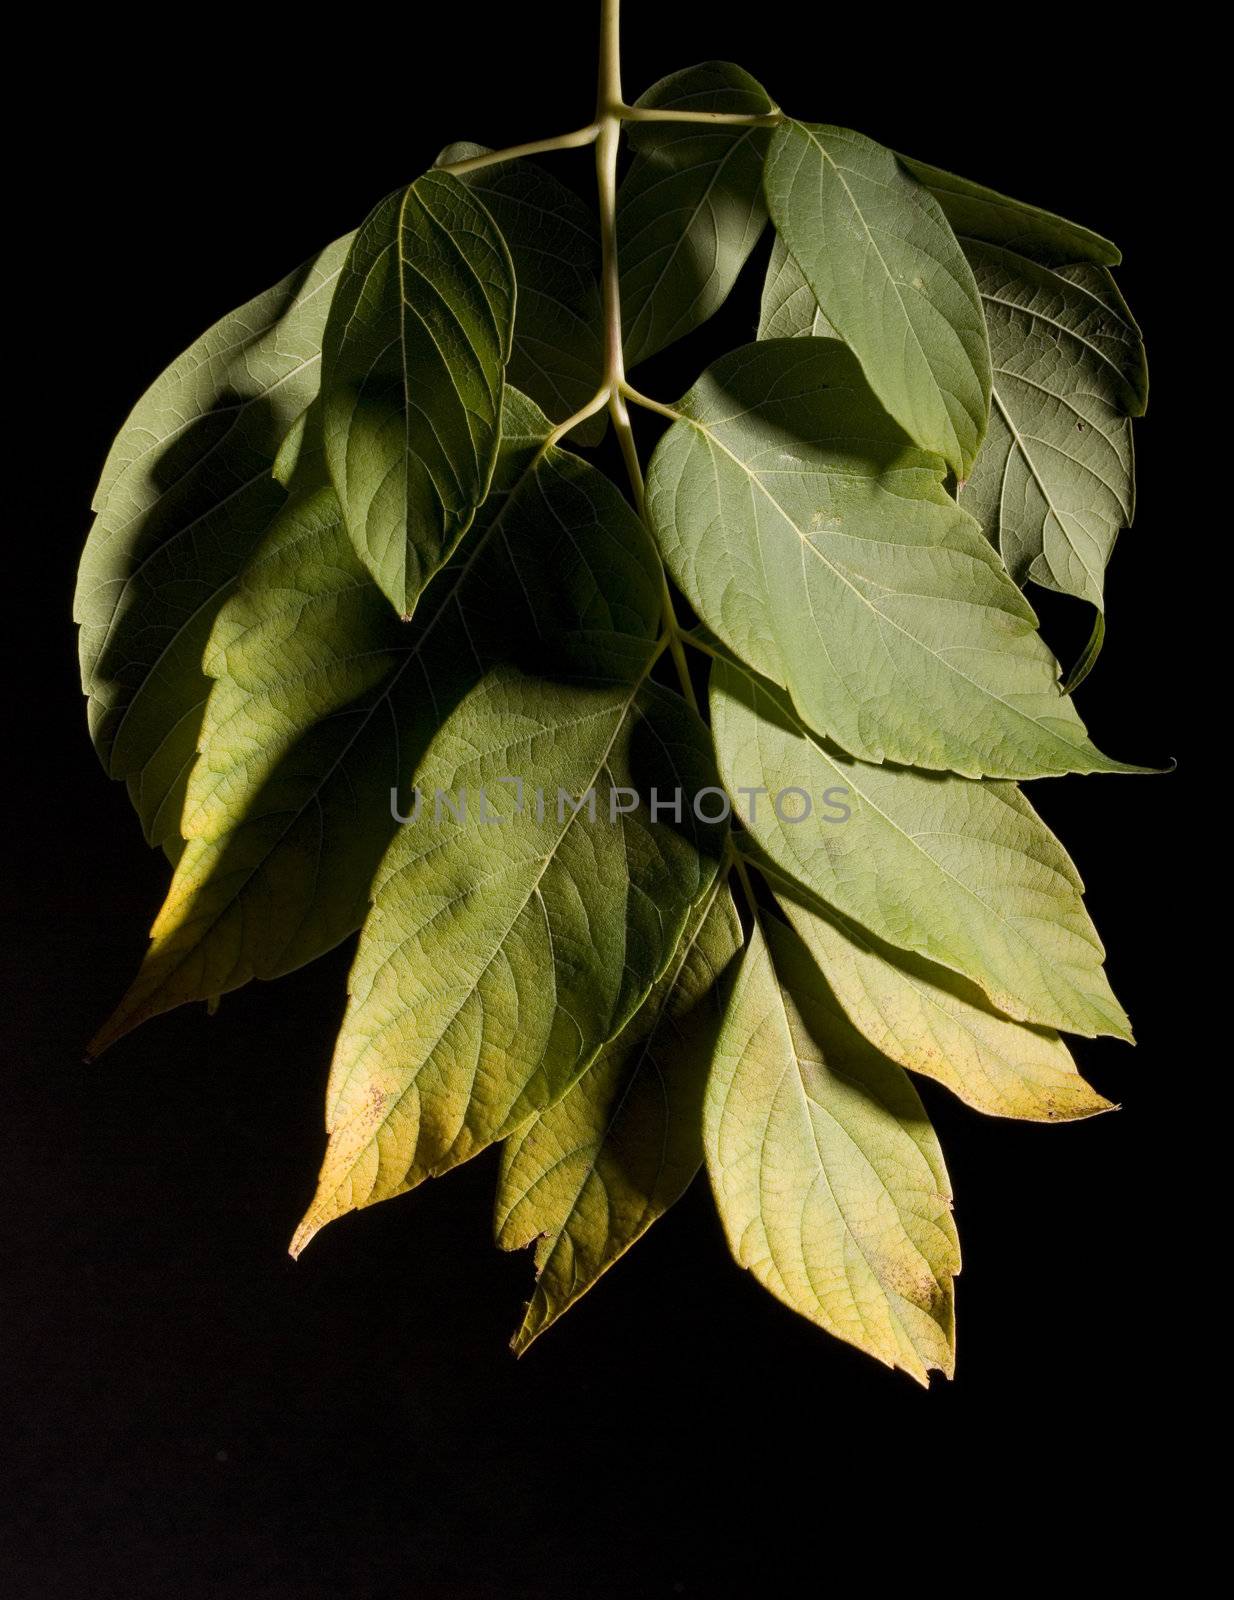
[{"x": 351, "y": 562}]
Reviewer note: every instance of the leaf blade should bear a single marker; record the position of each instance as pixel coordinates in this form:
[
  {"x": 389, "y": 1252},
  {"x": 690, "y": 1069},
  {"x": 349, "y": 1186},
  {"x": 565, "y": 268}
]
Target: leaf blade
[
  {"x": 587, "y": 1178},
  {"x": 1055, "y": 482},
  {"x": 823, "y": 550},
  {"x": 690, "y": 210},
  {"x": 980, "y": 213},
  {"x": 787, "y": 308},
  {"x": 184, "y": 497},
  {"x": 413, "y": 366},
  {"x": 320, "y": 701},
  {"x": 887, "y": 271},
  {"x": 492, "y": 970},
  {"x": 827, "y": 1176},
  {"x": 928, "y": 1020},
  {"x": 557, "y": 357},
  {"x": 962, "y": 873}
]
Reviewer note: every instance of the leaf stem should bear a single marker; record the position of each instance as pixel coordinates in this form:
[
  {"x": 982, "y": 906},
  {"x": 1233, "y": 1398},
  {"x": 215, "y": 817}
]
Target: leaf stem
[
  {"x": 605, "y": 133},
  {"x": 611, "y": 110},
  {"x": 535, "y": 147},
  {"x": 731, "y": 119},
  {"x": 597, "y": 402},
  {"x": 695, "y": 643},
  {"x": 648, "y": 404},
  {"x": 609, "y": 116},
  {"x": 737, "y": 862}
]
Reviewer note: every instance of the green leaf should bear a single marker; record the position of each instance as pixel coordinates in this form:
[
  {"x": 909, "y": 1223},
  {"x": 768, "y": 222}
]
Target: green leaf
[
  {"x": 826, "y": 1173},
  {"x": 412, "y": 374},
  {"x": 553, "y": 238},
  {"x": 788, "y": 309},
  {"x": 885, "y": 267},
  {"x": 499, "y": 958},
  {"x": 933, "y": 1021},
  {"x": 690, "y": 210},
  {"x": 1054, "y": 482},
  {"x": 587, "y": 1178},
  {"x": 184, "y": 498},
  {"x": 978, "y": 213},
  {"x": 323, "y": 702},
  {"x": 822, "y": 548},
  {"x": 962, "y": 873}
]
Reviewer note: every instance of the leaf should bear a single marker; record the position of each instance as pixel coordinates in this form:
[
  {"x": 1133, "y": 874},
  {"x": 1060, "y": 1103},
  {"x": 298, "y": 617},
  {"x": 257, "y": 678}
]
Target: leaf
[
  {"x": 826, "y": 1173},
  {"x": 184, "y": 498},
  {"x": 1054, "y": 482},
  {"x": 933, "y": 1021},
  {"x": 690, "y": 210},
  {"x": 823, "y": 550},
  {"x": 885, "y": 267},
  {"x": 788, "y": 309},
  {"x": 324, "y": 702},
  {"x": 558, "y": 353},
  {"x": 587, "y": 1178},
  {"x": 412, "y": 374},
  {"x": 498, "y": 959},
  {"x": 978, "y": 213},
  {"x": 962, "y": 873}
]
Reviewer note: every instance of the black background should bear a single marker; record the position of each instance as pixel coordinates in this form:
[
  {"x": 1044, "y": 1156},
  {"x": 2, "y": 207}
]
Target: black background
[{"x": 192, "y": 1414}]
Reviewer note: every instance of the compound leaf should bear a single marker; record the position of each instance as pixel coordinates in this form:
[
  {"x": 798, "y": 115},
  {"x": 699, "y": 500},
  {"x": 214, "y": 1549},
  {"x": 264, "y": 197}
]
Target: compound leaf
[
  {"x": 884, "y": 265},
  {"x": 827, "y": 1175},
  {"x": 587, "y": 1178},
  {"x": 962, "y": 873},
  {"x": 413, "y": 366},
  {"x": 373, "y": 652},
  {"x": 820, "y": 546},
  {"x": 185, "y": 497},
  {"x": 690, "y": 210}
]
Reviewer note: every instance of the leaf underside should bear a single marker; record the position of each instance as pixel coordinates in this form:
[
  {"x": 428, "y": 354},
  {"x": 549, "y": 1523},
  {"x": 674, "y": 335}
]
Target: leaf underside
[
  {"x": 183, "y": 500},
  {"x": 828, "y": 1178},
  {"x": 413, "y": 369},
  {"x": 890, "y": 276},
  {"x": 586, "y": 1178},
  {"x": 821, "y": 546},
  {"x": 690, "y": 210},
  {"x": 557, "y": 357}
]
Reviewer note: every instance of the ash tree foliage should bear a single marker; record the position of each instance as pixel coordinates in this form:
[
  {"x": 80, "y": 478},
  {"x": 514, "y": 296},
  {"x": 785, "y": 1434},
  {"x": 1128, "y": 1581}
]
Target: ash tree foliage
[{"x": 678, "y": 816}]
